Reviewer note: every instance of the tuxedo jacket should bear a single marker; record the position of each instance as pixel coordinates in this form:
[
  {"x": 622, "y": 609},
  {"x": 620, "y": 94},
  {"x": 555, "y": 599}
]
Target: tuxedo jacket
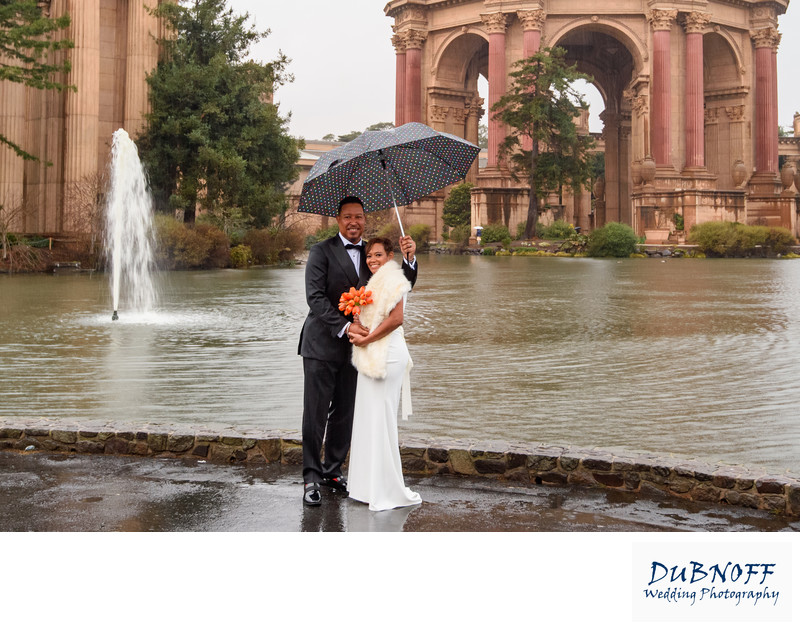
[{"x": 329, "y": 273}]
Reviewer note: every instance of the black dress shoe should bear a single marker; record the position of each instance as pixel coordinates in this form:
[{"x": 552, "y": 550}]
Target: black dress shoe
[
  {"x": 337, "y": 483},
  {"x": 312, "y": 495}
]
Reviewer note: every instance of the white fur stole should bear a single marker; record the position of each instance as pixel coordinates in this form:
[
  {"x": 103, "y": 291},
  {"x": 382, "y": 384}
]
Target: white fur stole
[{"x": 389, "y": 285}]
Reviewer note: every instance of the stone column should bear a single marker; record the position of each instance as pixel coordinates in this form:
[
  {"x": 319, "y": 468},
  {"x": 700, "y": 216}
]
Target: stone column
[
  {"x": 766, "y": 114},
  {"x": 496, "y": 27},
  {"x": 82, "y": 108},
  {"x": 640, "y": 129},
  {"x": 737, "y": 124},
  {"x": 12, "y": 167},
  {"x": 774, "y": 109},
  {"x": 532, "y": 23},
  {"x": 711, "y": 122},
  {"x": 661, "y": 97},
  {"x": 695, "y": 24},
  {"x": 142, "y": 57},
  {"x": 53, "y": 202},
  {"x": 399, "y": 43},
  {"x": 458, "y": 118},
  {"x": 624, "y": 170},
  {"x": 414, "y": 41},
  {"x": 611, "y": 137},
  {"x": 475, "y": 111}
]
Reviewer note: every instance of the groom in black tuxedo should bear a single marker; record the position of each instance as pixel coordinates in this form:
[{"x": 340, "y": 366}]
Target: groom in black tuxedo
[{"x": 334, "y": 265}]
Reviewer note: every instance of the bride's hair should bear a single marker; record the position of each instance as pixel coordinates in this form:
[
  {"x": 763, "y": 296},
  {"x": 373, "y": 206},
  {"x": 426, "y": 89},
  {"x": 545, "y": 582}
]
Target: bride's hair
[{"x": 387, "y": 245}]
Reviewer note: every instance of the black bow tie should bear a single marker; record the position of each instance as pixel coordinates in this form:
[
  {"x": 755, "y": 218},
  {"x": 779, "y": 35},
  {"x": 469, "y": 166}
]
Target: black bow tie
[{"x": 352, "y": 246}]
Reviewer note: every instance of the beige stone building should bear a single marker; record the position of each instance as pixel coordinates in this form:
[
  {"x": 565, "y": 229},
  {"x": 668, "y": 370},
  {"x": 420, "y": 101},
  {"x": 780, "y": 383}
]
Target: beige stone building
[
  {"x": 690, "y": 94},
  {"x": 690, "y": 119},
  {"x": 114, "y": 50}
]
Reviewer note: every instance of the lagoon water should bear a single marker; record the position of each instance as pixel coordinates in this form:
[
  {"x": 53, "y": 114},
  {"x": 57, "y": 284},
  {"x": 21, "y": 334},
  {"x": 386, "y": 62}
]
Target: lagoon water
[{"x": 695, "y": 358}]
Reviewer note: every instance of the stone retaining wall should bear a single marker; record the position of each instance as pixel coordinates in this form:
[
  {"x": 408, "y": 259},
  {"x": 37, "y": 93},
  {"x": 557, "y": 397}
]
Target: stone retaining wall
[{"x": 517, "y": 463}]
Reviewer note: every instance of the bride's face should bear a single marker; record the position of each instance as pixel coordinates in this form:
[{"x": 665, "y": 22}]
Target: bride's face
[{"x": 376, "y": 257}]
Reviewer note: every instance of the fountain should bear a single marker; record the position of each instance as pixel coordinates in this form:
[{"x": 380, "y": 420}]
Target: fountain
[{"x": 129, "y": 229}]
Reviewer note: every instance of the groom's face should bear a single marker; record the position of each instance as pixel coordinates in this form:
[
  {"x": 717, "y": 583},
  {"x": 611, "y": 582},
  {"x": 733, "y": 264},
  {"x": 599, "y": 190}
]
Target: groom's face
[{"x": 351, "y": 221}]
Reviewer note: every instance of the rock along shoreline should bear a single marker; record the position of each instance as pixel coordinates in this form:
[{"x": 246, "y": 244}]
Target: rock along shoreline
[{"x": 515, "y": 462}]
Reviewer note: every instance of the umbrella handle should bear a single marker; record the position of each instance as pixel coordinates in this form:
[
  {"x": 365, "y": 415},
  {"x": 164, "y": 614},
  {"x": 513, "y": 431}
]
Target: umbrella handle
[
  {"x": 397, "y": 212},
  {"x": 402, "y": 232}
]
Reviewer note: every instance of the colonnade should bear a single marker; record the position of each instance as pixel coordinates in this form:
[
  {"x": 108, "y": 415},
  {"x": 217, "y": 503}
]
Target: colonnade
[
  {"x": 409, "y": 106},
  {"x": 114, "y": 49}
]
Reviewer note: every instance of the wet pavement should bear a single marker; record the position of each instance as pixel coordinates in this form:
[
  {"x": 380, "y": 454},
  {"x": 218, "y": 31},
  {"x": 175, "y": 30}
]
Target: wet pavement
[{"x": 94, "y": 493}]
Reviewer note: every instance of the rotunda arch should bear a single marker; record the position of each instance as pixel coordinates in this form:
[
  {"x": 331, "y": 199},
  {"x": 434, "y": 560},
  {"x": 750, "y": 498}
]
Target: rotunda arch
[
  {"x": 725, "y": 108},
  {"x": 614, "y": 57},
  {"x": 453, "y": 103},
  {"x": 456, "y": 52},
  {"x": 615, "y": 29}
]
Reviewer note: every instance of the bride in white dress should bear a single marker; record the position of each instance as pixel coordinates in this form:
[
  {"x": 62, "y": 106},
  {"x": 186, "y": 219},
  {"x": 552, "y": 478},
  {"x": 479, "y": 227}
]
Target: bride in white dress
[{"x": 375, "y": 474}]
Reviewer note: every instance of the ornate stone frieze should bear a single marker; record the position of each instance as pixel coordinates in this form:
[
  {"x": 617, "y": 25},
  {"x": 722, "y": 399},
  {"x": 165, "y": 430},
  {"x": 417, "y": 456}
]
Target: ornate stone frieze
[
  {"x": 44, "y": 6},
  {"x": 638, "y": 101},
  {"x": 459, "y": 114},
  {"x": 735, "y": 112},
  {"x": 495, "y": 22},
  {"x": 410, "y": 13},
  {"x": 532, "y": 20},
  {"x": 415, "y": 38},
  {"x": 662, "y": 19},
  {"x": 766, "y": 38},
  {"x": 763, "y": 13},
  {"x": 438, "y": 113},
  {"x": 711, "y": 115},
  {"x": 696, "y": 21}
]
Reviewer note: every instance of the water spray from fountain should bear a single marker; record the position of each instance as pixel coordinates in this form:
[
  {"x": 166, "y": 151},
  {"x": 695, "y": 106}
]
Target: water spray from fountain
[{"x": 129, "y": 229}]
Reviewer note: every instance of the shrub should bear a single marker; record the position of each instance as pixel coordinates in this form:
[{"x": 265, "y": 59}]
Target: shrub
[
  {"x": 725, "y": 239},
  {"x": 457, "y": 209},
  {"x": 577, "y": 243},
  {"x": 494, "y": 233},
  {"x": 506, "y": 243},
  {"x": 558, "y": 230},
  {"x": 274, "y": 245},
  {"x": 390, "y": 230},
  {"x": 181, "y": 246},
  {"x": 421, "y": 234},
  {"x": 215, "y": 244},
  {"x": 241, "y": 255},
  {"x": 613, "y": 239},
  {"x": 460, "y": 235},
  {"x": 714, "y": 238},
  {"x": 321, "y": 235},
  {"x": 521, "y": 230}
]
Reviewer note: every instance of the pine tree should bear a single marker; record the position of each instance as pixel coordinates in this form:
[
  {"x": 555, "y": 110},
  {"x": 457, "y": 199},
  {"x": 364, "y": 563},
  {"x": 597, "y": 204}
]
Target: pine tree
[
  {"x": 542, "y": 105},
  {"x": 213, "y": 138}
]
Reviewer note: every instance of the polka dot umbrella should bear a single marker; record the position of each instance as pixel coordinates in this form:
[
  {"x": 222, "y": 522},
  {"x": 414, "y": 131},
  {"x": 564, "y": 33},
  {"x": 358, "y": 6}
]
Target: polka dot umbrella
[{"x": 386, "y": 169}]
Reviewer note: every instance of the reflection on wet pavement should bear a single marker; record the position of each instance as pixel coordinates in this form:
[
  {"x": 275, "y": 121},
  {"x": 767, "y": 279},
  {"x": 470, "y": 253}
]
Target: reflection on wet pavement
[{"x": 96, "y": 493}]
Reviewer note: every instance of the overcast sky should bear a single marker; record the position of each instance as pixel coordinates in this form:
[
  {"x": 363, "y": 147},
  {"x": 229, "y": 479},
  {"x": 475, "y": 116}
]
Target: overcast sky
[{"x": 343, "y": 62}]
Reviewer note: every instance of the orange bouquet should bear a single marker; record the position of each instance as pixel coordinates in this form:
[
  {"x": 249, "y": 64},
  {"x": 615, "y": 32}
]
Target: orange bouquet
[{"x": 351, "y": 301}]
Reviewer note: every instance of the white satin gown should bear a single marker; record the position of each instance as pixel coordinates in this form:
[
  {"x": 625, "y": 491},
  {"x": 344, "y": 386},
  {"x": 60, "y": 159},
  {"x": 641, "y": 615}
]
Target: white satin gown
[{"x": 375, "y": 474}]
